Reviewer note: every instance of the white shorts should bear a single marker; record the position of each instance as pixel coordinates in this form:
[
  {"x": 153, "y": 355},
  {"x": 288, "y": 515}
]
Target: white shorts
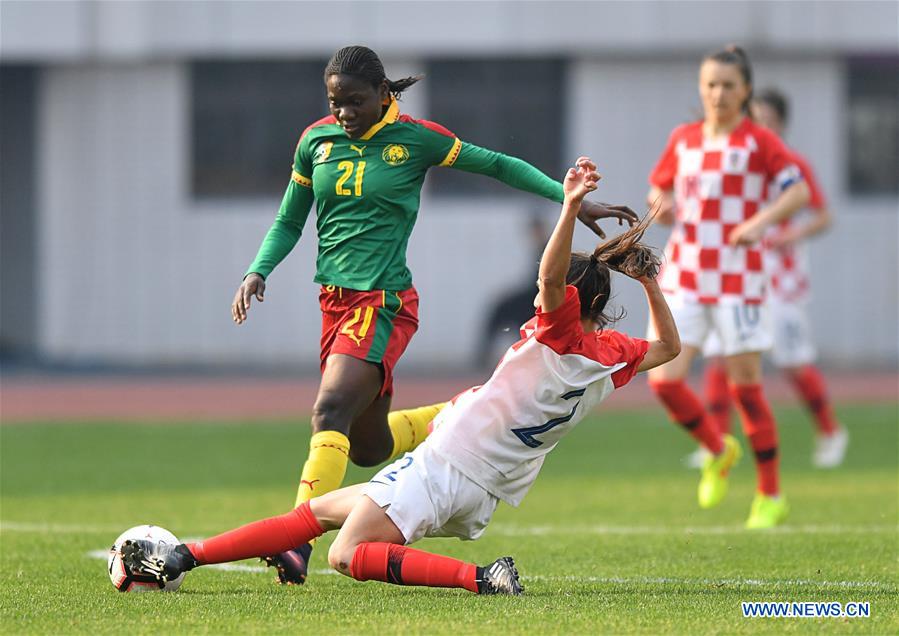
[
  {"x": 426, "y": 496},
  {"x": 793, "y": 342},
  {"x": 792, "y": 334},
  {"x": 740, "y": 328}
]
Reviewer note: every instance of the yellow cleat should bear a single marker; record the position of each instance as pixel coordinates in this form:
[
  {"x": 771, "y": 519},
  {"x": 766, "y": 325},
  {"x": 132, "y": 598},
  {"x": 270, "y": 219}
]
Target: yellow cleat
[
  {"x": 767, "y": 512},
  {"x": 713, "y": 484}
]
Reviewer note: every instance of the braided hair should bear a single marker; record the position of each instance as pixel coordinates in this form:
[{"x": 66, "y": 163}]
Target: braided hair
[
  {"x": 362, "y": 62},
  {"x": 591, "y": 273},
  {"x": 736, "y": 56}
]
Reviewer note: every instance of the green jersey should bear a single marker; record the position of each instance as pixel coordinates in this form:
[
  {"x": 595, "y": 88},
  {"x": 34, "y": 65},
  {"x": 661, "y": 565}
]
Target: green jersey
[{"x": 367, "y": 194}]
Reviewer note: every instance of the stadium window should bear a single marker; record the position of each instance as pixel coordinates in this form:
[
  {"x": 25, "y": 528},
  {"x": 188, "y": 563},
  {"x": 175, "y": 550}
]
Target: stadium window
[
  {"x": 873, "y": 125},
  {"x": 246, "y": 119},
  {"x": 512, "y": 106}
]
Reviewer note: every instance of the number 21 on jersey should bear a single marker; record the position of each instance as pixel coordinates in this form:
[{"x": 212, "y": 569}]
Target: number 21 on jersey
[{"x": 349, "y": 168}]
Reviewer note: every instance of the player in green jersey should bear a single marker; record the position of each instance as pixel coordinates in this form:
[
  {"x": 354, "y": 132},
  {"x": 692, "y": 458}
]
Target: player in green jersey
[{"x": 364, "y": 166}]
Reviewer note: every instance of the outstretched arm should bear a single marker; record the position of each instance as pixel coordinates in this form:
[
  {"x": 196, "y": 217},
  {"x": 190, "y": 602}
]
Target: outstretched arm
[
  {"x": 557, "y": 253},
  {"x": 666, "y": 346},
  {"x": 521, "y": 175}
]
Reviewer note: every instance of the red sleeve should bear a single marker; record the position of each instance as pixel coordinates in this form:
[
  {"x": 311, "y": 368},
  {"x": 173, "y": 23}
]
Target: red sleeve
[
  {"x": 433, "y": 125},
  {"x": 780, "y": 166},
  {"x": 561, "y": 329},
  {"x": 817, "y": 200},
  {"x": 662, "y": 176},
  {"x": 614, "y": 347}
]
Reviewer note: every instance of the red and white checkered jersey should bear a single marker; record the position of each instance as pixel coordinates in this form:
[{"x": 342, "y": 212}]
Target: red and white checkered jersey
[
  {"x": 498, "y": 434},
  {"x": 718, "y": 183},
  {"x": 787, "y": 267}
]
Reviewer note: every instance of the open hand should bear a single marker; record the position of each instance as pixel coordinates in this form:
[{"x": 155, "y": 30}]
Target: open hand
[
  {"x": 592, "y": 211},
  {"x": 580, "y": 180},
  {"x": 746, "y": 233},
  {"x": 252, "y": 285}
]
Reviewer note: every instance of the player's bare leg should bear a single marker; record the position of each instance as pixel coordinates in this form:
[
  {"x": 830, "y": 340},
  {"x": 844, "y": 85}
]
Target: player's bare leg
[
  {"x": 380, "y": 435},
  {"x": 348, "y": 387},
  {"x": 370, "y": 547},
  {"x": 371, "y": 441}
]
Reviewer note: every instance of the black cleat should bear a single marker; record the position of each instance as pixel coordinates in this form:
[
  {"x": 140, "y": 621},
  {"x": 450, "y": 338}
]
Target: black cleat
[
  {"x": 164, "y": 561},
  {"x": 292, "y": 566},
  {"x": 500, "y": 577}
]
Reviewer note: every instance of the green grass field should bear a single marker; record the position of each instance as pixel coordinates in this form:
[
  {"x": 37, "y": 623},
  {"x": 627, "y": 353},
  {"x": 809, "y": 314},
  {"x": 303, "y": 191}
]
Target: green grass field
[{"x": 609, "y": 540}]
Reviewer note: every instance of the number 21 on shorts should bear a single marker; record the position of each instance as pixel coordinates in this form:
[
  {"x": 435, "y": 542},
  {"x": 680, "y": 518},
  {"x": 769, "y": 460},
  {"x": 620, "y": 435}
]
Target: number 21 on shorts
[
  {"x": 348, "y": 168},
  {"x": 349, "y": 330}
]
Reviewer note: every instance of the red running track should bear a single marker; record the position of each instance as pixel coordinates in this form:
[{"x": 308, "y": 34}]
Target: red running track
[{"x": 51, "y": 398}]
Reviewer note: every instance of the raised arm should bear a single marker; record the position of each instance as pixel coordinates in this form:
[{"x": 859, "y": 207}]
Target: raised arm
[
  {"x": 557, "y": 254},
  {"x": 666, "y": 346},
  {"x": 521, "y": 175}
]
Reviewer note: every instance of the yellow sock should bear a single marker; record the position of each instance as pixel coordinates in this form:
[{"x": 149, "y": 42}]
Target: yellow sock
[
  {"x": 410, "y": 427},
  {"x": 325, "y": 467}
]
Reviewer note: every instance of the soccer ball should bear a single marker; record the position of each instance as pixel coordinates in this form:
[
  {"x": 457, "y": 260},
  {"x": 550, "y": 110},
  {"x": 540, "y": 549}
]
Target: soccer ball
[{"x": 125, "y": 581}]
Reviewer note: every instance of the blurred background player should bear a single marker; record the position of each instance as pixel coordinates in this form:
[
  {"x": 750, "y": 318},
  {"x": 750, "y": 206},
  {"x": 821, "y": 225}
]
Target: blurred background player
[
  {"x": 488, "y": 445},
  {"x": 512, "y": 308},
  {"x": 711, "y": 182},
  {"x": 786, "y": 262},
  {"x": 364, "y": 166}
]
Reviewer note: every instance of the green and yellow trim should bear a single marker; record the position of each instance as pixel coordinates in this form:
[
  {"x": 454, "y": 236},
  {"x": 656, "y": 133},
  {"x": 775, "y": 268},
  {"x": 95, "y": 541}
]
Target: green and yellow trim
[
  {"x": 453, "y": 154},
  {"x": 298, "y": 178},
  {"x": 390, "y": 117}
]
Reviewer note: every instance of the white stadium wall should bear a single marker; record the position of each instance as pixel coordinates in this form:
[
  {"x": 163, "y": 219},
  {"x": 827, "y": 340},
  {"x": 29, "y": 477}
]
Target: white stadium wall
[{"x": 133, "y": 270}]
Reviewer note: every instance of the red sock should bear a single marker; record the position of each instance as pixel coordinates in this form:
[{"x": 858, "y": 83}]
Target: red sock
[
  {"x": 400, "y": 565},
  {"x": 717, "y": 396},
  {"x": 260, "y": 538},
  {"x": 686, "y": 409},
  {"x": 759, "y": 426},
  {"x": 810, "y": 384}
]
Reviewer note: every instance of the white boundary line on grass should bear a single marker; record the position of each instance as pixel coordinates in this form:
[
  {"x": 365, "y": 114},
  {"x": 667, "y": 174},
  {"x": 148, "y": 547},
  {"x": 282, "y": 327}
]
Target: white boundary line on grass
[
  {"x": 665, "y": 580},
  {"x": 512, "y": 530},
  {"x": 615, "y": 580}
]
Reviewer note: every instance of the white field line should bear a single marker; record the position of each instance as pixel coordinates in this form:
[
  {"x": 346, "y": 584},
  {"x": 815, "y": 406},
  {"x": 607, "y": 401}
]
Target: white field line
[
  {"x": 618, "y": 580},
  {"x": 664, "y": 580},
  {"x": 512, "y": 530}
]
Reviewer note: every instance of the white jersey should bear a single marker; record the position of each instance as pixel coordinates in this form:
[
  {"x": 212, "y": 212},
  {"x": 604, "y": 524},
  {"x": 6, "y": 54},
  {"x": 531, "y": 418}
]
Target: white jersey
[{"x": 498, "y": 434}]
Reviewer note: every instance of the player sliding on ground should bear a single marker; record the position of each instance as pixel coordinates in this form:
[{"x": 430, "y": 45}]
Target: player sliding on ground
[{"x": 487, "y": 445}]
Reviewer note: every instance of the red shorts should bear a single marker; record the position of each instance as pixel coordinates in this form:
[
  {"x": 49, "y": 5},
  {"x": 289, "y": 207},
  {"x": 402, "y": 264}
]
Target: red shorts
[{"x": 375, "y": 326}]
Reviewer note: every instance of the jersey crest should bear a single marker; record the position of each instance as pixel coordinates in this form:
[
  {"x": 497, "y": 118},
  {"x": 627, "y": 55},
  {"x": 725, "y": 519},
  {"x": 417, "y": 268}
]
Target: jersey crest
[
  {"x": 395, "y": 154},
  {"x": 322, "y": 151}
]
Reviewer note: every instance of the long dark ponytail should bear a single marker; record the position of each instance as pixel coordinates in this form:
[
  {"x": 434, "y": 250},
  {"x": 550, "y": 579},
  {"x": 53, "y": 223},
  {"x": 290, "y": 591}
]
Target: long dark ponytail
[{"x": 590, "y": 273}]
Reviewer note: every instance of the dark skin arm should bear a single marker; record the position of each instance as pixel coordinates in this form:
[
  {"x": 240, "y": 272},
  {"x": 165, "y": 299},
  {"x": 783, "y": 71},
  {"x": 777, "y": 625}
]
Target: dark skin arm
[{"x": 592, "y": 211}]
